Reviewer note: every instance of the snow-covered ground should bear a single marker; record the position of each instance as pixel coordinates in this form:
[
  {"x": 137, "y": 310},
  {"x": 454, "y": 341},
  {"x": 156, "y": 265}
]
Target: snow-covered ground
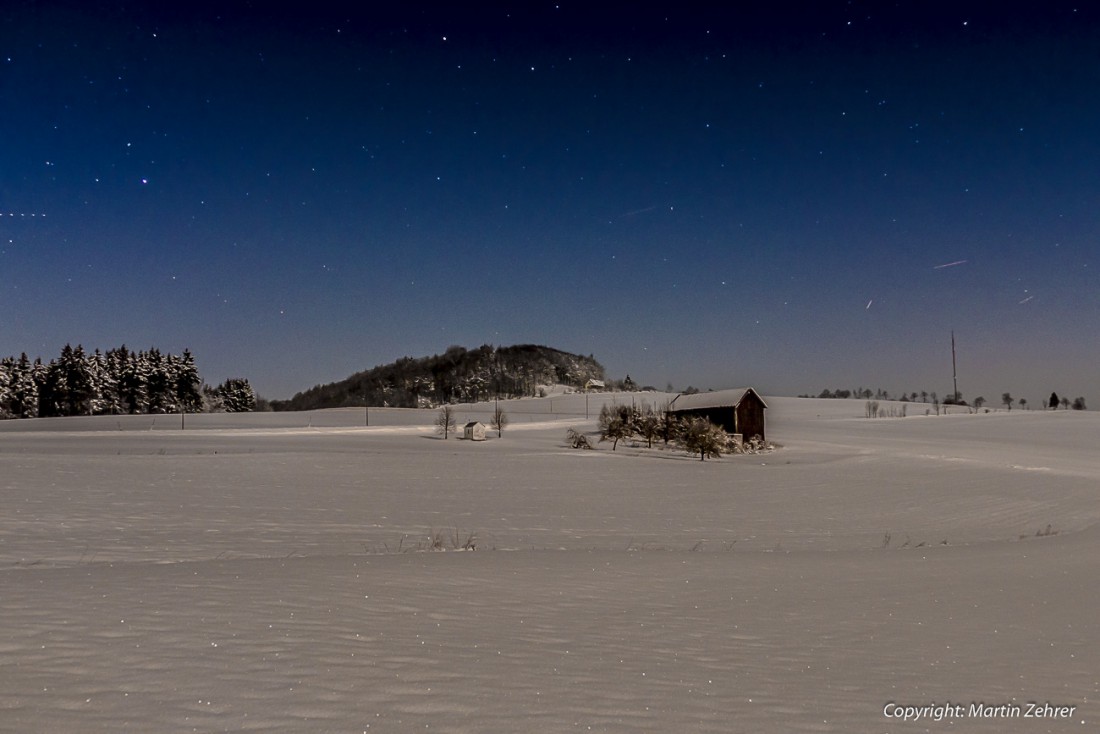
[{"x": 270, "y": 572}]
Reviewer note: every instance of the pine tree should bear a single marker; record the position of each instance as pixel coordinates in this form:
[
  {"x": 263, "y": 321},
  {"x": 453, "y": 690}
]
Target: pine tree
[
  {"x": 77, "y": 380},
  {"x": 40, "y": 377},
  {"x": 133, "y": 381},
  {"x": 52, "y": 391},
  {"x": 159, "y": 383},
  {"x": 237, "y": 396},
  {"x": 7, "y": 374},
  {"x": 188, "y": 384},
  {"x": 109, "y": 373},
  {"x": 24, "y": 389},
  {"x": 102, "y": 383}
]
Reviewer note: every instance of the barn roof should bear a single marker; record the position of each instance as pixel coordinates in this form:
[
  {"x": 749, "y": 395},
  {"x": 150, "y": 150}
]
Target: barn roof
[{"x": 718, "y": 399}]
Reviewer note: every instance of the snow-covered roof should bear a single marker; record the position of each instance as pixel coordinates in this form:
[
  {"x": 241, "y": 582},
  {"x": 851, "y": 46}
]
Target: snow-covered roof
[
  {"x": 717, "y": 399},
  {"x": 471, "y": 424}
]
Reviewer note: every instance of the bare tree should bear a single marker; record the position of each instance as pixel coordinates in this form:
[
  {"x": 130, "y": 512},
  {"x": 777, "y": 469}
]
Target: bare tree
[
  {"x": 1065, "y": 403},
  {"x": 499, "y": 420},
  {"x": 1023, "y": 403},
  {"x": 1008, "y": 400},
  {"x": 615, "y": 430},
  {"x": 979, "y": 402},
  {"x": 446, "y": 420},
  {"x": 648, "y": 424}
]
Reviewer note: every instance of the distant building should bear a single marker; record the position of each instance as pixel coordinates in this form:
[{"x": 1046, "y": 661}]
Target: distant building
[
  {"x": 593, "y": 385},
  {"x": 739, "y": 410},
  {"x": 474, "y": 431}
]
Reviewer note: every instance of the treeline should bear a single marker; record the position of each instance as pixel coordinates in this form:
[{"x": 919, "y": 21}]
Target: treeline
[
  {"x": 457, "y": 375},
  {"x": 116, "y": 382},
  {"x": 950, "y": 399},
  {"x": 860, "y": 393},
  {"x": 866, "y": 393}
]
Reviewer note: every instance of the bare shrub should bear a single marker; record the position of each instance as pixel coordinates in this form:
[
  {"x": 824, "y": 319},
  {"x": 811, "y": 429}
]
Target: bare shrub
[
  {"x": 757, "y": 445},
  {"x": 438, "y": 541},
  {"x": 576, "y": 439}
]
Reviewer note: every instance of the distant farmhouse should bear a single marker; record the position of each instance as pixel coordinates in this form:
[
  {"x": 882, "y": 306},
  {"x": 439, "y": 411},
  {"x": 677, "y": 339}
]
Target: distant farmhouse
[
  {"x": 596, "y": 385},
  {"x": 738, "y": 410}
]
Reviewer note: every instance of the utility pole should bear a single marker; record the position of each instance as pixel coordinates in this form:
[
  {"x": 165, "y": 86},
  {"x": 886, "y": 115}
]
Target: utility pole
[{"x": 954, "y": 372}]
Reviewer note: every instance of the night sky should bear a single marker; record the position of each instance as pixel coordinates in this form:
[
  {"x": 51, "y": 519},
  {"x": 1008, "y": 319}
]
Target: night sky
[{"x": 796, "y": 197}]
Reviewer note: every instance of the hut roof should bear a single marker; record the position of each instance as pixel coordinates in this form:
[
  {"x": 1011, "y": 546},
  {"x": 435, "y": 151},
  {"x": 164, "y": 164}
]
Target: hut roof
[
  {"x": 718, "y": 399},
  {"x": 471, "y": 424}
]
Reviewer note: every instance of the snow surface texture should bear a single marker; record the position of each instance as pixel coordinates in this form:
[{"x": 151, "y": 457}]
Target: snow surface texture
[{"x": 270, "y": 573}]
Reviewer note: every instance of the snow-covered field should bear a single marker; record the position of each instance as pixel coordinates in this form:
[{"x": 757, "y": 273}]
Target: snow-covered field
[{"x": 271, "y": 573}]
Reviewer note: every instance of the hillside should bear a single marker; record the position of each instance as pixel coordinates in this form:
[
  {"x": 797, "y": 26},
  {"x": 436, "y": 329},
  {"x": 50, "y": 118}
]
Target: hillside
[{"x": 459, "y": 374}]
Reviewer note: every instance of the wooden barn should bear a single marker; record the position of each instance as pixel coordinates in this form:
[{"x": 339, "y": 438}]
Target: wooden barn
[
  {"x": 474, "y": 431},
  {"x": 738, "y": 410}
]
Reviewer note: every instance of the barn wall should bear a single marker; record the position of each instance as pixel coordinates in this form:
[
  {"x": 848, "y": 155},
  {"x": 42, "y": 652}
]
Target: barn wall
[{"x": 750, "y": 418}]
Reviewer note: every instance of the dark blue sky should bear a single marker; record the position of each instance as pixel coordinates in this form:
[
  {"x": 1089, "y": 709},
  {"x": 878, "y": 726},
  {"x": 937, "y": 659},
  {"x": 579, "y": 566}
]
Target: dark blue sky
[{"x": 696, "y": 196}]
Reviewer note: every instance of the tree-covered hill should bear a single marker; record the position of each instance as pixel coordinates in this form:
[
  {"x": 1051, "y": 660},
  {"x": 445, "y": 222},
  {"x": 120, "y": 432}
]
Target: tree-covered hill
[{"x": 459, "y": 374}]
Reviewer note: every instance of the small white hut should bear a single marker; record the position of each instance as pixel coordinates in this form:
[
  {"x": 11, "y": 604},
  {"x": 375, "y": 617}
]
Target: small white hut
[{"x": 474, "y": 431}]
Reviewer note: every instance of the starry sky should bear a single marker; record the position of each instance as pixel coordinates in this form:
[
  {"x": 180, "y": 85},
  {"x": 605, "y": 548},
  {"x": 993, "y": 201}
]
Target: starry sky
[{"x": 797, "y": 197}]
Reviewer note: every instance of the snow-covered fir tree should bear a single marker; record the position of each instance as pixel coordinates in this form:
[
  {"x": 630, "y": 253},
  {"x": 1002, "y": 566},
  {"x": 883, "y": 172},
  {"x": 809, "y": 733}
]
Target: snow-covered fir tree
[
  {"x": 118, "y": 381},
  {"x": 188, "y": 384},
  {"x": 7, "y": 370},
  {"x": 237, "y": 396}
]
